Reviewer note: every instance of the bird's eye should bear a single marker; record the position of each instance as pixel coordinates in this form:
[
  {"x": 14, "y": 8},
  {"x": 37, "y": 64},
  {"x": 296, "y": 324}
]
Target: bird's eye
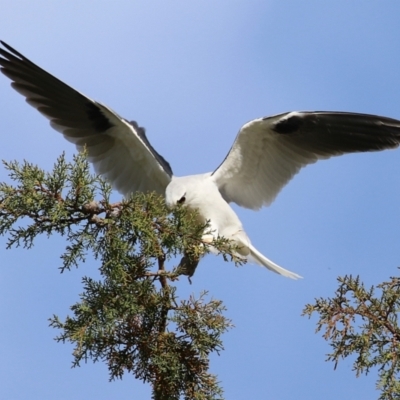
[{"x": 181, "y": 200}]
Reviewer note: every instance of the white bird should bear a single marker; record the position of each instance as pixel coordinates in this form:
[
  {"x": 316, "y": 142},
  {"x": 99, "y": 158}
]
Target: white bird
[{"x": 265, "y": 155}]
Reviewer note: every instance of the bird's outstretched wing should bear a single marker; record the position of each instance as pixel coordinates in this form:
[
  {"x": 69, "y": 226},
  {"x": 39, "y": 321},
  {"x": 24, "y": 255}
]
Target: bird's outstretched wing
[
  {"x": 118, "y": 149},
  {"x": 269, "y": 151}
]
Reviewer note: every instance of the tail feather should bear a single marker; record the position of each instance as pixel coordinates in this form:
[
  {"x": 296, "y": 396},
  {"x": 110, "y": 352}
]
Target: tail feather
[{"x": 257, "y": 257}]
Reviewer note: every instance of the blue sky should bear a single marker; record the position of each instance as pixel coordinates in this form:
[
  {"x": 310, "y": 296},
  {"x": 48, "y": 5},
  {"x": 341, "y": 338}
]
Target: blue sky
[{"x": 193, "y": 73}]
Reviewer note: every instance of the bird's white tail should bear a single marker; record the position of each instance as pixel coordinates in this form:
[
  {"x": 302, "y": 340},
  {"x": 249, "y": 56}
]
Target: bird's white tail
[{"x": 257, "y": 257}]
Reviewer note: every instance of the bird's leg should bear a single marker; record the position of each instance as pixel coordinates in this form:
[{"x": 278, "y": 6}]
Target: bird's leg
[
  {"x": 207, "y": 238},
  {"x": 210, "y": 233}
]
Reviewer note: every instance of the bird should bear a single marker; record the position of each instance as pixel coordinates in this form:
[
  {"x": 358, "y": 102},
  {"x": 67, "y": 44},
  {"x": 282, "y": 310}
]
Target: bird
[{"x": 266, "y": 153}]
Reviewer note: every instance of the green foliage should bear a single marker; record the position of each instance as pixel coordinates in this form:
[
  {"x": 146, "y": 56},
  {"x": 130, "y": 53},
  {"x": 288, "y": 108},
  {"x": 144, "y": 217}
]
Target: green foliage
[
  {"x": 364, "y": 322},
  {"x": 132, "y": 318}
]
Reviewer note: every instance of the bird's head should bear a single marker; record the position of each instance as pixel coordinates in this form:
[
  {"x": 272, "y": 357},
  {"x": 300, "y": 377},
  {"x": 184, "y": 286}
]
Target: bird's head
[
  {"x": 175, "y": 193},
  {"x": 190, "y": 191}
]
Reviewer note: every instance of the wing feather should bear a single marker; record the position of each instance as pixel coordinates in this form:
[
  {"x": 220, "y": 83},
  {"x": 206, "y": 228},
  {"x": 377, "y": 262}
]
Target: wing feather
[
  {"x": 119, "y": 150},
  {"x": 268, "y": 152}
]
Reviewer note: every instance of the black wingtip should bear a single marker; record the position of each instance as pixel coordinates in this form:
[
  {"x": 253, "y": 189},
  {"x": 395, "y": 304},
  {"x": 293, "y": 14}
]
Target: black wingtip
[
  {"x": 8, "y": 47},
  {"x": 12, "y": 51}
]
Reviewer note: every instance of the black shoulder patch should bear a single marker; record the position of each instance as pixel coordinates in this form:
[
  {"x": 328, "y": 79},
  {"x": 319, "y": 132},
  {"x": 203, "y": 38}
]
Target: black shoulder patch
[
  {"x": 160, "y": 159},
  {"x": 139, "y": 129},
  {"x": 288, "y": 124},
  {"x": 100, "y": 122}
]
